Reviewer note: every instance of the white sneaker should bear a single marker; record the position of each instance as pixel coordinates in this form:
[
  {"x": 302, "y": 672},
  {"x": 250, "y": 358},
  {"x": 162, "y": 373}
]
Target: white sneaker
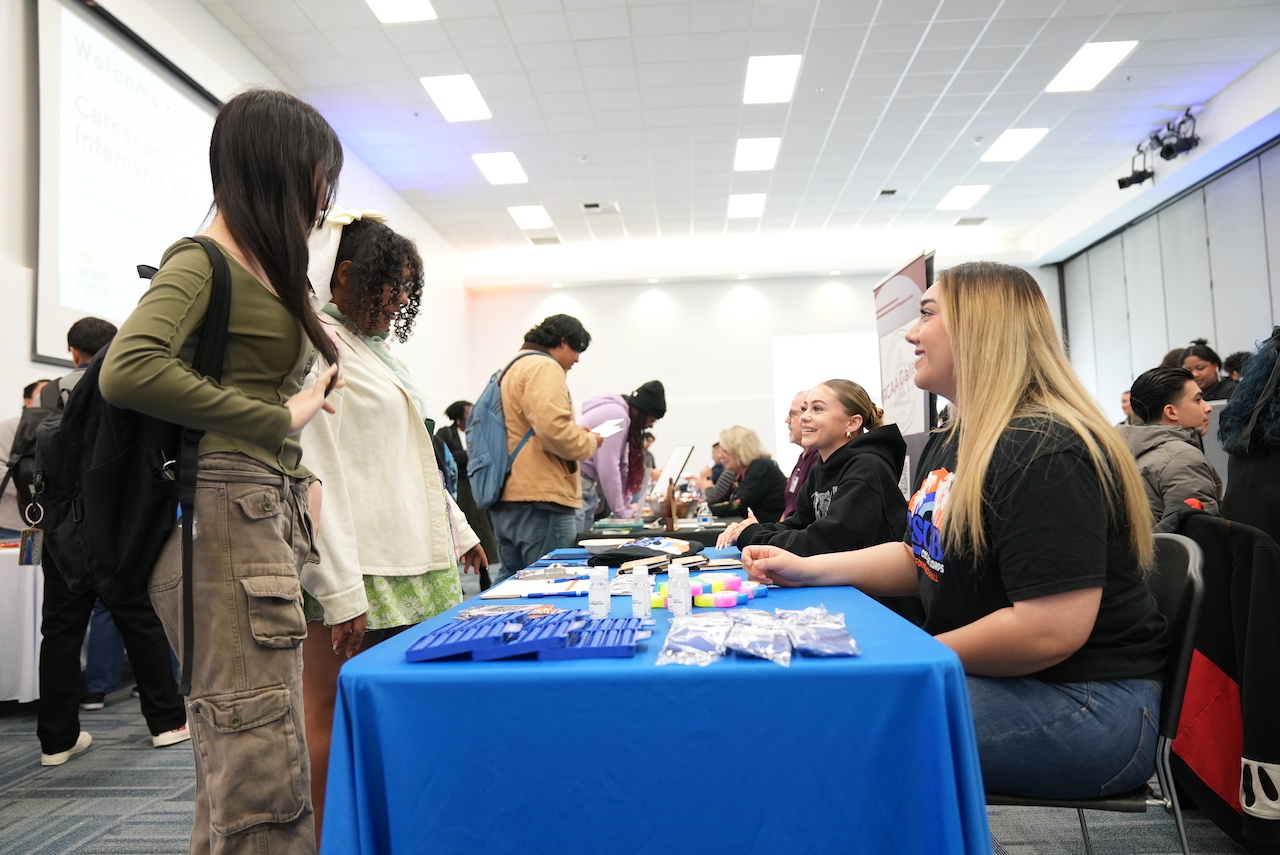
[
  {"x": 171, "y": 737},
  {"x": 83, "y": 742}
]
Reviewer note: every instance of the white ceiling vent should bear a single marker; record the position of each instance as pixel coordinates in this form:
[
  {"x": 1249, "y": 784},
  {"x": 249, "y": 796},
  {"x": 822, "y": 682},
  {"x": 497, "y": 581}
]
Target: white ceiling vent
[
  {"x": 544, "y": 241},
  {"x": 599, "y": 207},
  {"x": 971, "y": 221}
]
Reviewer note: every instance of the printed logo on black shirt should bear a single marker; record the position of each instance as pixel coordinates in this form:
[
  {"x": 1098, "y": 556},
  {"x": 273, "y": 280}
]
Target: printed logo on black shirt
[
  {"x": 822, "y": 502},
  {"x": 924, "y": 521}
]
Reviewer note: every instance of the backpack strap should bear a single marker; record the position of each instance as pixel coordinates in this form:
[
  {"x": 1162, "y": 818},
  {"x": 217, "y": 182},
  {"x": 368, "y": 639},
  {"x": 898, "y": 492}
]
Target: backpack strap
[
  {"x": 210, "y": 353},
  {"x": 511, "y": 458}
]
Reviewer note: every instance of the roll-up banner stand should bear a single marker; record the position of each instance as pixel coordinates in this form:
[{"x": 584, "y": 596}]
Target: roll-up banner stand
[{"x": 912, "y": 409}]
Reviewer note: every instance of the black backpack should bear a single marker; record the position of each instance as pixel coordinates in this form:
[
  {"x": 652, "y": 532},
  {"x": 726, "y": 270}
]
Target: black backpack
[
  {"x": 109, "y": 482},
  {"x": 22, "y": 454}
]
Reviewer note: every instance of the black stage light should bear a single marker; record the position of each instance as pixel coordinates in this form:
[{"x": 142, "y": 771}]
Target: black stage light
[
  {"x": 1136, "y": 176},
  {"x": 1179, "y": 138}
]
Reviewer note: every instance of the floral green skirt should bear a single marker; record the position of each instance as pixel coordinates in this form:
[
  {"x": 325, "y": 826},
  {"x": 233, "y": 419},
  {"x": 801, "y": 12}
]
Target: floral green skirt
[{"x": 401, "y": 600}]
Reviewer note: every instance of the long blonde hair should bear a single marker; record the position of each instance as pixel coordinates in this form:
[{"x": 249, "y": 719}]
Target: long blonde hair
[{"x": 1009, "y": 363}]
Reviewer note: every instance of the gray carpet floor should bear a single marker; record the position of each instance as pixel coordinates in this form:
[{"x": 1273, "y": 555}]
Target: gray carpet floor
[{"x": 123, "y": 796}]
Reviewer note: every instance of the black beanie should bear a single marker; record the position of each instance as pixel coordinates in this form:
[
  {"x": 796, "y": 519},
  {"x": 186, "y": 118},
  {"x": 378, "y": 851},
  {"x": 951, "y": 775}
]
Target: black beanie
[{"x": 650, "y": 398}]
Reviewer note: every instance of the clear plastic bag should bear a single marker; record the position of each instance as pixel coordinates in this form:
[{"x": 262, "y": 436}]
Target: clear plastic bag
[
  {"x": 760, "y": 634},
  {"x": 814, "y": 631},
  {"x": 695, "y": 639}
]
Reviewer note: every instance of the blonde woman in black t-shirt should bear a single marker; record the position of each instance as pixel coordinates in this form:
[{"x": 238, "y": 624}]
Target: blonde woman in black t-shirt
[{"x": 1027, "y": 539}]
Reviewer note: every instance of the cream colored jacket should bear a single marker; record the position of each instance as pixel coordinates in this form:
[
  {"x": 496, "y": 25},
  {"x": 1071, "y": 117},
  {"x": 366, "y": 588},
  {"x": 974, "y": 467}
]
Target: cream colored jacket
[{"x": 385, "y": 511}]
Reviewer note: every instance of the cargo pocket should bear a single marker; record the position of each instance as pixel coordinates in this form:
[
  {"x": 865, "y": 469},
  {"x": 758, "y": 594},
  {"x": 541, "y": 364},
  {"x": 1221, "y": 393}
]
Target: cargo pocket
[
  {"x": 252, "y": 758},
  {"x": 275, "y": 610}
]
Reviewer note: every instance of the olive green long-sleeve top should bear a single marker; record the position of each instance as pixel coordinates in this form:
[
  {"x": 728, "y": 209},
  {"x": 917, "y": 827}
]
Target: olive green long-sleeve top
[{"x": 148, "y": 367}]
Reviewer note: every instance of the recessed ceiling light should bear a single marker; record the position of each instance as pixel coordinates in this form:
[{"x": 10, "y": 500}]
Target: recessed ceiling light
[
  {"x": 1013, "y": 144},
  {"x": 651, "y": 281},
  {"x": 963, "y": 196},
  {"x": 501, "y": 167},
  {"x": 771, "y": 79},
  {"x": 756, "y": 154},
  {"x": 456, "y": 97},
  {"x": 557, "y": 284},
  {"x": 1090, "y": 65},
  {"x": 402, "y": 11},
  {"x": 746, "y": 205},
  {"x": 833, "y": 272},
  {"x": 742, "y": 276},
  {"x": 530, "y": 217}
]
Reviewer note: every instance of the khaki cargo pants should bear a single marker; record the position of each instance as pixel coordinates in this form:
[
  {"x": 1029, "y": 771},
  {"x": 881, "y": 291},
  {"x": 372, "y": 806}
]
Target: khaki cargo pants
[{"x": 253, "y": 775}]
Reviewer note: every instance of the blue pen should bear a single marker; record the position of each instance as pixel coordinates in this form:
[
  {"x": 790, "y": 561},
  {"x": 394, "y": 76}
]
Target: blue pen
[
  {"x": 570, "y": 578},
  {"x": 536, "y": 594}
]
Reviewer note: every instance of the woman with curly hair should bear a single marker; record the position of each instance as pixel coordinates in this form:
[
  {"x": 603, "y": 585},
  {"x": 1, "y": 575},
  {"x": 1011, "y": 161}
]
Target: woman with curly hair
[
  {"x": 1028, "y": 539},
  {"x": 391, "y": 535}
]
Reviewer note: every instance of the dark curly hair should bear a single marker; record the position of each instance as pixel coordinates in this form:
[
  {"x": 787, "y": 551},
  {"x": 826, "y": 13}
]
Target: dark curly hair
[
  {"x": 1155, "y": 388},
  {"x": 380, "y": 257},
  {"x": 1234, "y": 419},
  {"x": 558, "y": 328}
]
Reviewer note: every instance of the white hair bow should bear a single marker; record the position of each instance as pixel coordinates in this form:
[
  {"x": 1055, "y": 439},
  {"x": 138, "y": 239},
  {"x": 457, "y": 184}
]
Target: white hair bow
[{"x": 323, "y": 245}]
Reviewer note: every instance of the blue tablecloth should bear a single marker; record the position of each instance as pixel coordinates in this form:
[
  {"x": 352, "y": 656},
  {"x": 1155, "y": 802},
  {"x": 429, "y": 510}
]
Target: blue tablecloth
[{"x": 870, "y": 754}]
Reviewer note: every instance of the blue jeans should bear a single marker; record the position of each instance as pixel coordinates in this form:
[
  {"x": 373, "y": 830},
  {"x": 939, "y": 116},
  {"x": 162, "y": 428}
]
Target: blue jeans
[
  {"x": 1065, "y": 740},
  {"x": 526, "y": 533},
  {"x": 105, "y": 658}
]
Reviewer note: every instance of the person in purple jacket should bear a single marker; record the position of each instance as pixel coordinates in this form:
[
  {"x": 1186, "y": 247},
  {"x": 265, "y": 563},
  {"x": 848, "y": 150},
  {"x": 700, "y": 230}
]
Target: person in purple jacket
[
  {"x": 808, "y": 456},
  {"x": 616, "y": 470}
]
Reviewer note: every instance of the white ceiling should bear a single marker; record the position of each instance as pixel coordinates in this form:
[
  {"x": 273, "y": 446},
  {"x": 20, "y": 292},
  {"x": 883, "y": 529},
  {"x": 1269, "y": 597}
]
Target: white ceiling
[{"x": 639, "y": 102}]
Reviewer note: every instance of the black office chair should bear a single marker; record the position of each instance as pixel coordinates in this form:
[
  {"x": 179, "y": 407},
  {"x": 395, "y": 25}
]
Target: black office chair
[{"x": 1178, "y": 587}]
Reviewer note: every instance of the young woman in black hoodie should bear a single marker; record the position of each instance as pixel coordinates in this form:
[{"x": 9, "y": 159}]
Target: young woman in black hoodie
[{"x": 851, "y": 498}]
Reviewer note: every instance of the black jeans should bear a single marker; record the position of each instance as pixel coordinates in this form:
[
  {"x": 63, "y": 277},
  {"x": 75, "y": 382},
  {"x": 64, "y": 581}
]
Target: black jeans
[{"x": 65, "y": 617}]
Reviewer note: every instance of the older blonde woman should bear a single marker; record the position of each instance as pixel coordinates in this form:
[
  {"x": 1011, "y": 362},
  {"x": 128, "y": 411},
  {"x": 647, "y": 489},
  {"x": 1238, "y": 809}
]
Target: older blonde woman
[{"x": 759, "y": 486}]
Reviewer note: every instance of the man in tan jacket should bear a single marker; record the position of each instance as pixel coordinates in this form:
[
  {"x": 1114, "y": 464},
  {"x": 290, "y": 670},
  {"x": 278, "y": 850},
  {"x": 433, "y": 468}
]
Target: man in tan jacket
[{"x": 536, "y": 512}]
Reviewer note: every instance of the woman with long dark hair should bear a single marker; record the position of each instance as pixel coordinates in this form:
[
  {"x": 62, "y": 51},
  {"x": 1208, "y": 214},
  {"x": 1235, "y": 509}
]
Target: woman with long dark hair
[
  {"x": 1028, "y": 539},
  {"x": 616, "y": 471},
  {"x": 275, "y": 164}
]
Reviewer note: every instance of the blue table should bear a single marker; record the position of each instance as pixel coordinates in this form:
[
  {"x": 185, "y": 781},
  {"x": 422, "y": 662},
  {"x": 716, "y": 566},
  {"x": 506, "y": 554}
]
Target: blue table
[{"x": 871, "y": 754}]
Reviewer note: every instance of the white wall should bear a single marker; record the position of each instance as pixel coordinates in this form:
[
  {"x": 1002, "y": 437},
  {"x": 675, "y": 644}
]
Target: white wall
[
  {"x": 189, "y": 35},
  {"x": 710, "y": 343},
  {"x": 1204, "y": 267}
]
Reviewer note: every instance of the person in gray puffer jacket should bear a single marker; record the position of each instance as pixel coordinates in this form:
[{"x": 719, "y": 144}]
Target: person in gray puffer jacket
[{"x": 1166, "y": 443}]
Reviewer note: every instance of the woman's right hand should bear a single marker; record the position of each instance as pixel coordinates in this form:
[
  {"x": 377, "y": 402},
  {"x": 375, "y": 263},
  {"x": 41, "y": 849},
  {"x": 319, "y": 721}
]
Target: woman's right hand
[
  {"x": 305, "y": 404},
  {"x": 774, "y": 566}
]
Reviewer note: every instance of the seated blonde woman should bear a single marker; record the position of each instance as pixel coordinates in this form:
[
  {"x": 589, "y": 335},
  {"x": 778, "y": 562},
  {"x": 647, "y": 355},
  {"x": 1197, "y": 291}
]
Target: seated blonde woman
[{"x": 758, "y": 484}]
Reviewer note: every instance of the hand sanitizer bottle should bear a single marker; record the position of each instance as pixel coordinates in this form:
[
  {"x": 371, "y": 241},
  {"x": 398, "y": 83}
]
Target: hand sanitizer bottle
[
  {"x": 679, "y": 601},
  {"x": 598, "y": 592},
  {"x": 641, "y": 593}
]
